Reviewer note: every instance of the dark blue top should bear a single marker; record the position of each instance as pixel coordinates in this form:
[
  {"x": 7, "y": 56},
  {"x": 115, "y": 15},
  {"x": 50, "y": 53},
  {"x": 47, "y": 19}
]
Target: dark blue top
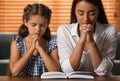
[{"x": 35, "y": 65}]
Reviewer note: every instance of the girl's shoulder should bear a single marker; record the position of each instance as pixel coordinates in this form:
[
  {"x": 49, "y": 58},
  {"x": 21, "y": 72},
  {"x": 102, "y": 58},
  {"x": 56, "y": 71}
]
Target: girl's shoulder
[
  {"x": 51, "y": 44},
  {"x": 17, "y": 38},
  {"x": 20, "y": 43}
]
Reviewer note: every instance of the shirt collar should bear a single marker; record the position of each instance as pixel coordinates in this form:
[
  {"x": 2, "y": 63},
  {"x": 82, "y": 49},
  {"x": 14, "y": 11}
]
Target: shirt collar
[
  {"x": 74, "y": 29},
  {"x": 98, "y": 30}
]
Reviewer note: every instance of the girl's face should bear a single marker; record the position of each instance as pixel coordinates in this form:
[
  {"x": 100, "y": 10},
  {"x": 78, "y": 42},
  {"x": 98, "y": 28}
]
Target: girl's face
[
  {"x": 37, "y": 25},
  {"x": 86, "y": 13}
]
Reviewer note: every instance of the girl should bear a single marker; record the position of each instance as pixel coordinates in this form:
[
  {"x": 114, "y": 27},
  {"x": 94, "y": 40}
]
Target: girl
[{"x": 32, "y": 50}]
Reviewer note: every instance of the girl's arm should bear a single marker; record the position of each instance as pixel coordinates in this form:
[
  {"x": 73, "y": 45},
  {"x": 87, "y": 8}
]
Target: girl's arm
[
  {"x": 18, "y": 63},
  {"x": 51, "y": 61}
]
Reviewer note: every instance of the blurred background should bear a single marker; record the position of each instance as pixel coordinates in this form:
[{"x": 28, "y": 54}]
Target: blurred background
[{"x": 11, "y": 13}]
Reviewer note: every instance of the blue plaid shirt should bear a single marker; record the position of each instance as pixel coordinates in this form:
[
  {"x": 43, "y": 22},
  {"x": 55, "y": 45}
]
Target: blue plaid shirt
[{"x": 35, "y": 65}]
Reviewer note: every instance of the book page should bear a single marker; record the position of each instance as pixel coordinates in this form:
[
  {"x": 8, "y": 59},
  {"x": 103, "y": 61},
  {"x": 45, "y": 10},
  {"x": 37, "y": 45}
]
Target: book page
[
  {"x": 80, "y": 74},
  {"x": 53, "y": 75}
]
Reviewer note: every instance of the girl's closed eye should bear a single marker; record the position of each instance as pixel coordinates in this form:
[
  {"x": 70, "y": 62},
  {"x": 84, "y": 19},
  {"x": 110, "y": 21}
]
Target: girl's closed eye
[
  {"x": 33, "y": 24},
  {"x": 43, "y": 26}
]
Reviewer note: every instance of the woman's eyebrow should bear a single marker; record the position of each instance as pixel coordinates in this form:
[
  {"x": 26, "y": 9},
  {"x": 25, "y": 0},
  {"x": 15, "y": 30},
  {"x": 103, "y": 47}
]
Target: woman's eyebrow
[
  {"x": 93, "y": 10},
  {"x": 89, "y": 11}
]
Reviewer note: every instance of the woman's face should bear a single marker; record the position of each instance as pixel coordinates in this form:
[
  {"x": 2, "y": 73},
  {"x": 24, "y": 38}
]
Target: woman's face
[
  {"x": 86, "y": 13},
  {"x": 37, "y": 25}
]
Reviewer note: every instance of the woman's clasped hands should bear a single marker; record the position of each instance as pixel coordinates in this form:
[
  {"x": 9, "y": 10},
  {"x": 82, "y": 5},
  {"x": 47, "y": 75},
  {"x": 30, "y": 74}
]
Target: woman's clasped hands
[{"x": 86, "y": 32}]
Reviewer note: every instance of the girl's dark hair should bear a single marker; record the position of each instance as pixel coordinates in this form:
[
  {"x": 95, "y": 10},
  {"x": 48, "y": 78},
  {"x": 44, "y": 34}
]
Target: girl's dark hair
[
  {"x": 101, "y": 17},
  {"x": 35, "y": 9}
]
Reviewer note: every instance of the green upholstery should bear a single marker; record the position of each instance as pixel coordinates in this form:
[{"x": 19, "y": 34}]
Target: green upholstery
[
  {"x": 118, "y": 48},
  {"x": 116, "y": 68},
  {"x": 5, "y": 40}
]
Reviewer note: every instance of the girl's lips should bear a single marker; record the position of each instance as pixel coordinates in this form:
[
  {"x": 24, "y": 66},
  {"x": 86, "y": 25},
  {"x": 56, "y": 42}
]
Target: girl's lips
[{"x": 37, "y": 33}]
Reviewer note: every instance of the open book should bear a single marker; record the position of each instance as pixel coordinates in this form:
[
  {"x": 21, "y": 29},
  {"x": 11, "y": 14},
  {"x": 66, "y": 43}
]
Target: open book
[{"x": 61, "y": 75}]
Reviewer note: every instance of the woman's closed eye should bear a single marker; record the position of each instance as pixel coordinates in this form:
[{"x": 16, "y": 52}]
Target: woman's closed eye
[
  {"x": 80, "y": 13},
  {"x": 91, "y": 13}
]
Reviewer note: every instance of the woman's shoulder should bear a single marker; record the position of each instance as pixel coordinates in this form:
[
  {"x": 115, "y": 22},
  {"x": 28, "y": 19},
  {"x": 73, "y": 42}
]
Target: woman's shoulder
[
  {"x": 107, "y": 27},
  {"x": 110, "y": 28},
  {"x": 66, "y": 27}
]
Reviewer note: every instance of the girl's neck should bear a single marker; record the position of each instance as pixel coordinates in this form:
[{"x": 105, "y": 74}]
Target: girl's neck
[{"x": 29, "y": 39}]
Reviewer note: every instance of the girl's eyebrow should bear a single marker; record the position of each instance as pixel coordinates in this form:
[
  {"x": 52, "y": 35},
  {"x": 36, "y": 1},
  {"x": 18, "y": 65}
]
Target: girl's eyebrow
[{"x": 32, "y": 23}]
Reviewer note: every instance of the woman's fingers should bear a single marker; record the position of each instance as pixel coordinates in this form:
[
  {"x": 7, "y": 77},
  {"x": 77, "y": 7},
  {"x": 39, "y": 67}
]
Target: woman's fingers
[
  {"x": 87, "y": 28},
  {"x": 90, "y": 28},
  {"x": 86, "y": 31},
  {"x": 83, "y": 28}
]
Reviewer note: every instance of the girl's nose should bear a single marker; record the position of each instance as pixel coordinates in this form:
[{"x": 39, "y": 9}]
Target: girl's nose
[{"x": 38, "y": 28}]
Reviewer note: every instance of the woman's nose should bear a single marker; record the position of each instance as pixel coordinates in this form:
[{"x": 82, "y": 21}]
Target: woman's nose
[{"x": 86, "y": 18}]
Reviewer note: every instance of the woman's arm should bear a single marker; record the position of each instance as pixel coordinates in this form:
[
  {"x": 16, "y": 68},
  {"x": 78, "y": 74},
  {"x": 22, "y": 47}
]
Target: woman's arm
[
  {"x": 103, "y": 63},
  {"x": 70, "y": 52},
  {"x": 96, "y": 56},
  {"x": 77, "y": 54}
]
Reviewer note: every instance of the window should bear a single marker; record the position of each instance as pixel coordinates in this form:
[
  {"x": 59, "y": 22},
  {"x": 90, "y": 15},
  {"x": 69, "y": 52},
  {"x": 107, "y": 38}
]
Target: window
[
  {"x": 11, "y": 12},
  {"x": 112, "y": 9}
]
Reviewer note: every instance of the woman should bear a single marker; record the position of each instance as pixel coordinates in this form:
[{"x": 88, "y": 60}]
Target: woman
[
  {"x": 32, "y": 50},
  {"x": 88, "y": 43}
]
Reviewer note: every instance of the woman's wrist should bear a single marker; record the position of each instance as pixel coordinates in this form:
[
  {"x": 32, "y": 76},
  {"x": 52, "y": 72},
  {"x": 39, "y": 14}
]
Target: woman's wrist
[{"x": 92, "y": 44}]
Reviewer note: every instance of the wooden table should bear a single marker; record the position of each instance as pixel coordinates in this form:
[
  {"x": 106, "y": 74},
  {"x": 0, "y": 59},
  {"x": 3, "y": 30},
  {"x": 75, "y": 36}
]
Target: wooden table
[{"x": 8, "y": 78}]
